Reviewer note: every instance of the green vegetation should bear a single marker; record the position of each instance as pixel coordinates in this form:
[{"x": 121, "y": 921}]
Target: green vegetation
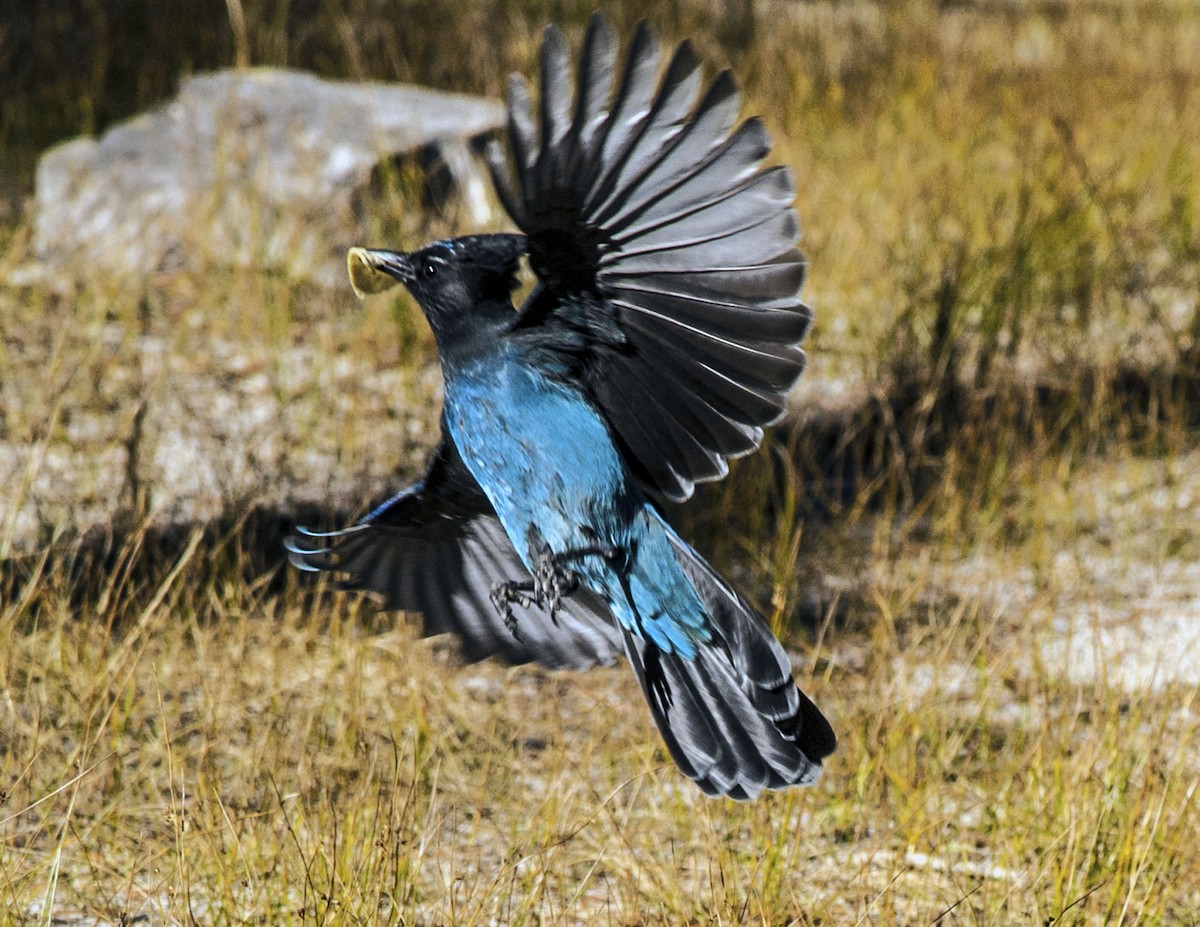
[{"x": 985, "y": 557}]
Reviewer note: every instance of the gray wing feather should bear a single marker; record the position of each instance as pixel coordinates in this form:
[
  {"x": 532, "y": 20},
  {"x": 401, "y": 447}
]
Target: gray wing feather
[
  {"x": 447, "y": 577},
  {"x": 596, "y": 66},
  {"x": 666, "y": 252},
  {"x": 629, "y": 109},
  {"x": 437, "y": 548}
]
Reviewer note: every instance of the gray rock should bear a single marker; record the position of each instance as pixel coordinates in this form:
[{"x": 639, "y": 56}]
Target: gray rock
[{"x": 258, "y": 168}]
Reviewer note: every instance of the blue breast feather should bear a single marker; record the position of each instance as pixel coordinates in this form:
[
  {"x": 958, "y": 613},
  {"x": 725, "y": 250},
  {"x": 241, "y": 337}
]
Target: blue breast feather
[{"x": 547, "y": 463}]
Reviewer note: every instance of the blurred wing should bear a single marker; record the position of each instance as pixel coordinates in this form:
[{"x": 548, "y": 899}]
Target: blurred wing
[
  {"x": 666, "y": 255},
  {"x": 437, "y": 548}
]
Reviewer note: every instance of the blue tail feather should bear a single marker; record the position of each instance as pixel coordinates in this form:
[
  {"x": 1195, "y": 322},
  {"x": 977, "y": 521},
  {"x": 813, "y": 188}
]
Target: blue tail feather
[{"x": 728, "y": 708}]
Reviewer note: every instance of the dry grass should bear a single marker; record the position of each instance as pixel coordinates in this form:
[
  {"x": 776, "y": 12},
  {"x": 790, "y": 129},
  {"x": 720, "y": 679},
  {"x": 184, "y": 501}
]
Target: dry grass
[
  {"x": 989, "y": 574},
  {"x": 236, "y": 754}
]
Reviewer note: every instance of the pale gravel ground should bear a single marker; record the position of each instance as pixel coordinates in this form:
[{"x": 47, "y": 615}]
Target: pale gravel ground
[
  {"x": 1119, "y": 601},
  {"x": 227, "y": 424},
  {"x": 1135, "y": 616}
]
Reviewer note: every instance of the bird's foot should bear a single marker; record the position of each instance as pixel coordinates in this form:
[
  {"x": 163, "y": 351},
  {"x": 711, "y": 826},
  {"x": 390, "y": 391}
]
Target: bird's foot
[
  {"x": 554, "y": 581},
  {"x": 503, "y": 594}
]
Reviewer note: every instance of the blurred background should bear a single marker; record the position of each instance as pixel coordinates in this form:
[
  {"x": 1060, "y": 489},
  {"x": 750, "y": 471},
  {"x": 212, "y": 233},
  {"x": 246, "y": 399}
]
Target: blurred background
[
  {"x": 999, "y": 203},
  {"x": 979, "y": 527}
]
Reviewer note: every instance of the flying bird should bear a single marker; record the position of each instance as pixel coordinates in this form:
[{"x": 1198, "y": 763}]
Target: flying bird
[{"x": 662, "y": 335}]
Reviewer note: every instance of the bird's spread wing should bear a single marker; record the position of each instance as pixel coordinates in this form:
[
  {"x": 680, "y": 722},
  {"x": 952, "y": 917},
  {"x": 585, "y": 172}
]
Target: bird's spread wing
[
  {"x": 437, "y": 548},
  {"x": 666, "y": 255}
]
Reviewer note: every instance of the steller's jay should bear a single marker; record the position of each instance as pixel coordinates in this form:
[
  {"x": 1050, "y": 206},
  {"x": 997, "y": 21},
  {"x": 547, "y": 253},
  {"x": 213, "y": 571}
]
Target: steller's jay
[{"x": 662, "y": 335}]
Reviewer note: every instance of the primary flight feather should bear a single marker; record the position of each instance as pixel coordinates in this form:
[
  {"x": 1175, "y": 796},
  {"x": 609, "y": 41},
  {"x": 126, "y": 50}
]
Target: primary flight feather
[{"x": 662, "y": 336}]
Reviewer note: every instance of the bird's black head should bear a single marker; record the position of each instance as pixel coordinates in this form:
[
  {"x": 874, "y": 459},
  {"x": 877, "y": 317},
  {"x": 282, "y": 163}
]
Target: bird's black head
[{"x": 463, "y": 285}]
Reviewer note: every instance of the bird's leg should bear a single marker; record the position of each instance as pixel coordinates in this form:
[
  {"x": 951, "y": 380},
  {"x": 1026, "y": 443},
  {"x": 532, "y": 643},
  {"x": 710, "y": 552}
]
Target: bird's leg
[
  {"x": 553, "y": 580},
  {"x": 503, "y": 594},
  {"x": 653, "y": 664}
]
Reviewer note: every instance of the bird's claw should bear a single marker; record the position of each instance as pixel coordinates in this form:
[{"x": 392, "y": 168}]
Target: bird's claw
[
  {"x": 503, "y": 595},
  {"x": 552, "y": 582}
]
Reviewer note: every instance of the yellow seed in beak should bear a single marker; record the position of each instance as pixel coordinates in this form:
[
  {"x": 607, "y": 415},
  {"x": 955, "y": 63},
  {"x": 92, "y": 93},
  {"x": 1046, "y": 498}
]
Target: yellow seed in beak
[{"x": 365, "y": 275}]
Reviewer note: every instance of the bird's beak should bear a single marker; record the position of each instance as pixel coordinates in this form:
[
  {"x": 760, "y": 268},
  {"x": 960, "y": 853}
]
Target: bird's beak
[{"x": 373, "y": 271}]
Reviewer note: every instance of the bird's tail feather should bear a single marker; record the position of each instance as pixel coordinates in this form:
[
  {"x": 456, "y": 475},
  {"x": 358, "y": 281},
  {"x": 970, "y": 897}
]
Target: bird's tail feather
[{"x": 732, "y": 717}]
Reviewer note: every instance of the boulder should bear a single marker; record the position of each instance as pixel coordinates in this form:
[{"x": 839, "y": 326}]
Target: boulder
[{"x": 259, "y": 168}]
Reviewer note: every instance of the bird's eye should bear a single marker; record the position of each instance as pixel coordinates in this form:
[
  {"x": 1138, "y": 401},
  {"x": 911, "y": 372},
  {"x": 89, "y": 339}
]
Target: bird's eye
[{"x": 430, "y": 269}]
